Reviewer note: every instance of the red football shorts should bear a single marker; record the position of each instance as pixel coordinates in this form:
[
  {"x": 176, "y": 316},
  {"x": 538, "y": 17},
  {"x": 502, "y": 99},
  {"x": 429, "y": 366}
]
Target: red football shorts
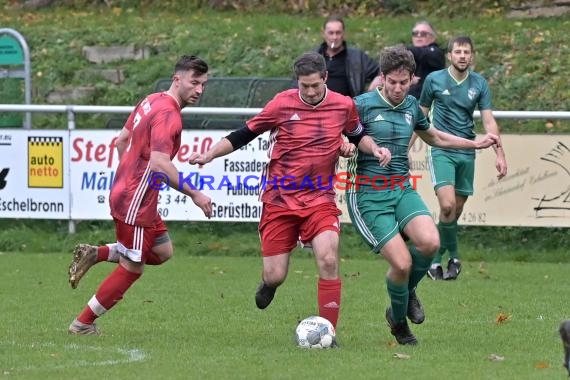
[
  {"x": 280, "y": 229},
  {"x": 134, "y": 241}
]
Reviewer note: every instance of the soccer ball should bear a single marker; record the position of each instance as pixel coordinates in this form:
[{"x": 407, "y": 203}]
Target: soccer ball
[{"x": 315, "y": 332}]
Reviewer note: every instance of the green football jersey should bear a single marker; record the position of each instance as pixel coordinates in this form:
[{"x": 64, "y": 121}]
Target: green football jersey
[
  {"x": 391, "y": 127},
  {"x": 452, "y": 104}
]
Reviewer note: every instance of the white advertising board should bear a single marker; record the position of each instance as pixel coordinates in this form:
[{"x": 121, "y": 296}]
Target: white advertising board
[
  {"x": 34, "y": 174},
  {"x": 94, "y": 160},
  {"x": 67, "y": 175},
  {"x": 535, "y": 192}
]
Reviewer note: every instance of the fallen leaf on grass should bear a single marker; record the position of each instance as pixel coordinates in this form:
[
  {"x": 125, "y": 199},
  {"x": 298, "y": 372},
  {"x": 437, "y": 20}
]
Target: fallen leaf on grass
[
  {"x": 353, "y": 275},
  {"x": 400, "y": 356},
  {"x": 496, "y": 358},
  {"x": 542, "y": 365},
  {"x": 392, "y": 344},
  {"x": 483, "y": 270},
  {"x": 502, "y": 318}
]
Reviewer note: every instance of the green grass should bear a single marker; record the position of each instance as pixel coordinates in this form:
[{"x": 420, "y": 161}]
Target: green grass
[
  {"x": 525, "y": 244},
  {"x": 194, "y": 318},
  {"x": 510, "y": 52}
]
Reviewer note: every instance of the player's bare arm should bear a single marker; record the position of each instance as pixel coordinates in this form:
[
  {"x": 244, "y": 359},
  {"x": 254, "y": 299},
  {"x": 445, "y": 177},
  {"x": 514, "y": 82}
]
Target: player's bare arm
[
  {"x": 161, "y": 163},
  {"x": 122, "y": 141},
  {"x": 221, "y": 148},
  {"x": 490, "y": 125},
  {"x": 435, "y": 137},
  {"x": 227, "y": 145}
]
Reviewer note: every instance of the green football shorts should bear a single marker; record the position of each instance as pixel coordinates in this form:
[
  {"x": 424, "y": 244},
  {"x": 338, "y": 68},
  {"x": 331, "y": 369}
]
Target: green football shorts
[
  {"x": 453, "y": 169},
  {"x": 378, "y": 216}
]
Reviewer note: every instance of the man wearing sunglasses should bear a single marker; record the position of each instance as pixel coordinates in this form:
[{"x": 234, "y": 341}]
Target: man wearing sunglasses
[{"x": 427, "y": 54}]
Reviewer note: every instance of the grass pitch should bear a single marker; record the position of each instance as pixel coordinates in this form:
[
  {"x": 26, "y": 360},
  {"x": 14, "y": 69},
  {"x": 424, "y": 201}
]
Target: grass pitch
[{"x": 195, "y": 318}]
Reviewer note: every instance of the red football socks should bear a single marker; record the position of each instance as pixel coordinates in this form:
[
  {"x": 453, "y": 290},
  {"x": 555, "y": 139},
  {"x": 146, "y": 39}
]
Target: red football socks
[
  {"x": 328, "y": 295},
  {"x": 109, "y": 293}
]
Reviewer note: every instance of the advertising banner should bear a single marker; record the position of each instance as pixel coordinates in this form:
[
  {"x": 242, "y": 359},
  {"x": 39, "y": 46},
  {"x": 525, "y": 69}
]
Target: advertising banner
[
  {"x": 34, "y": 174},
  {"x": 68, "y": 175},
  {"x": 535, "y": 192},
  {"x": 227, "y": 180}
]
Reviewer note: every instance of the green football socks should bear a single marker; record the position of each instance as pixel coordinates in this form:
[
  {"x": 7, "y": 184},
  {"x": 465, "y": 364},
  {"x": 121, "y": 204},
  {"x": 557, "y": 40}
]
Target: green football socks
[
  {"x": 399, "y": 299},
  {"x": 448, "y": 241},
  {"x": 420, "y": 266}
]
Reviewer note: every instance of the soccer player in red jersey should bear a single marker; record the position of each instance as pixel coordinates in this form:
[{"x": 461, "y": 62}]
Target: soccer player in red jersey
[
  {"x": 306, "y": 127},
  {"x": 147, "y": 144}
]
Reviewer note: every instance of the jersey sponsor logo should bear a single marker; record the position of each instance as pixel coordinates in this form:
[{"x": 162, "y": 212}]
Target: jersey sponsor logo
[
  {"x": 471, "y": 93},
  {"x": 445, "y": 92},
  {"x": 379, "y": 117},
  {"x": 408, "y": 117},
  {"x": 295, "y": 117}
]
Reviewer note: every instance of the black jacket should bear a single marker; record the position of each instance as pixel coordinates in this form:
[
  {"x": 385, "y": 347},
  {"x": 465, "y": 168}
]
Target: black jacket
[
  {"x": 428, "y": 58},
  {"x": 360, "y": 68}
]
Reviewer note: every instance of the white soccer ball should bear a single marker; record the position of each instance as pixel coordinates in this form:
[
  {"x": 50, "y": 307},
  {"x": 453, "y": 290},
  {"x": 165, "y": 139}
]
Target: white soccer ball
[{"x": 315, "y": 332}]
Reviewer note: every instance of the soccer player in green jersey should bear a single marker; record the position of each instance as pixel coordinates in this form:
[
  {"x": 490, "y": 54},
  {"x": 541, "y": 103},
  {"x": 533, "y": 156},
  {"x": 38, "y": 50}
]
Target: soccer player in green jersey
[
  {"x": 382, "y": 201},
  {"x": 452, "y": 95}
]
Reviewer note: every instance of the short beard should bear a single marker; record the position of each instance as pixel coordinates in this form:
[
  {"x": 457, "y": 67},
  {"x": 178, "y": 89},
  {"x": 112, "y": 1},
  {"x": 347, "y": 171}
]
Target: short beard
[{"x": 461, "y": 70}]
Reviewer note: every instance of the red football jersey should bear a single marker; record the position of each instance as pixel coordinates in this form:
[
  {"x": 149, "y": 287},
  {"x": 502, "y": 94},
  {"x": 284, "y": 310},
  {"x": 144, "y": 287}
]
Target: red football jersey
[
  {"x": 155, "y": 125},
  {"x": 304, "y": 146}
]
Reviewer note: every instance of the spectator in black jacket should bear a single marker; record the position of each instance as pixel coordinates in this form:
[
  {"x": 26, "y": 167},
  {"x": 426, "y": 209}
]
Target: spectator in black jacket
[
  {"x": 427, "y": 54},
  {"x": 349, "y": 69}
]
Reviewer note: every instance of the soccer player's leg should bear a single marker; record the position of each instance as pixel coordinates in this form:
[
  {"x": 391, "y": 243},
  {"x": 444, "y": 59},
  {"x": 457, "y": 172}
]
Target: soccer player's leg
[
  {"x": 564, "y": 331},
  {"x": 130, "y": 268},
  {"x": 321, "y": 227},
  {"x": 373, "y": 216},
  {"x": 162, "y": 249},
  {"x": 415, "y": 220},
  {"x": 443, "y": 174},
  {"x": 85, "y": 256},
  {"x": 464, "y": 176},
  {"x": 396, "y": 253},
  {"x": 279, "y": 233}
]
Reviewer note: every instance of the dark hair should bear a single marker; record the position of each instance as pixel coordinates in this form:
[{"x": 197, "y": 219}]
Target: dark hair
[
  {"x": 333, "y": 18},
  {"x": 310, "y": 63},
  {"x": 396, "y": 58},
  {"x": 191, "y": 62},
  {"x": 461, "y": 40}
]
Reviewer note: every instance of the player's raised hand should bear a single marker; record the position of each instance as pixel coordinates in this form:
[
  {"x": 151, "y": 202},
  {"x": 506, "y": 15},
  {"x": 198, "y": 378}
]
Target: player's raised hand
[
  {"x": 488, "y": 140},
  {"x": 383, "y": 154}
]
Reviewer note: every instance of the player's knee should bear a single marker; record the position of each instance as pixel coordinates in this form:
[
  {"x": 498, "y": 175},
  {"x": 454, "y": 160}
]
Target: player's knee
[
  {"x": 132, "y": 266},
  {"x": 274, "y": 276},
  {"x": 430, "y": 246},
  {"x": 166, "y": 255},
  {"x": 402, "y": 268},
  {"x": 328, "y": 264},
  {"x": 447, "y": 209}
]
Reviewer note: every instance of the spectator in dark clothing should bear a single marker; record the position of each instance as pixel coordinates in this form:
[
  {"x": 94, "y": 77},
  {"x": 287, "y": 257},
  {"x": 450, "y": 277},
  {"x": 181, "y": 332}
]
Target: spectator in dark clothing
[
  {"x": 427, "y": 54},
  {"x": 349, "y": 69}
]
